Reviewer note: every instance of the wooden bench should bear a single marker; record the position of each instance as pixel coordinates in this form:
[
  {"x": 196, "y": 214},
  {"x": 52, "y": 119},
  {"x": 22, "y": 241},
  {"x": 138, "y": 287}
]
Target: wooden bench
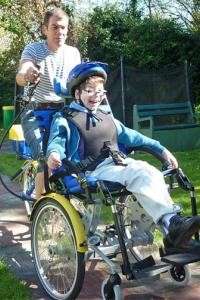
[{"x": 173, "y": 124}]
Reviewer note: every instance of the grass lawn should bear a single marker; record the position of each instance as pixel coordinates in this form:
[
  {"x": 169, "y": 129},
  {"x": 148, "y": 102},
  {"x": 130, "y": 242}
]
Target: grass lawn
[
  {"x": 9, "y": 164},
  {"x": 10, "y": 287}
]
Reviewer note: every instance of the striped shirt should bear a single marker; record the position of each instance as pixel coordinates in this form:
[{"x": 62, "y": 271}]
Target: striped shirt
[{"x": 52, "y": 65}]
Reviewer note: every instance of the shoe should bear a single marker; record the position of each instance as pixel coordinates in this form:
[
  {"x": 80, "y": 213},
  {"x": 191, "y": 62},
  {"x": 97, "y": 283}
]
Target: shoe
[
  {"x": 192, "y": 246},
  {"x": 181, "y": 230}
]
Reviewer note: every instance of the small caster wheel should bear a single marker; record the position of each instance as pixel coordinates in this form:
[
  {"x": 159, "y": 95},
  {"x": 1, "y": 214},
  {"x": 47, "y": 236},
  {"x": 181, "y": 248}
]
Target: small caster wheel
[
  {"x": 181, "y": 275},
  {"x": 110, "y": 289}
]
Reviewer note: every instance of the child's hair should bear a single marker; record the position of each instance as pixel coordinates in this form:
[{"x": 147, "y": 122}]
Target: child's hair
[{"x": 91, "y": 80}]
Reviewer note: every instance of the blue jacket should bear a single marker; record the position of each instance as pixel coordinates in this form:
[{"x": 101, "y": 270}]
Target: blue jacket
[{"x": 66, "y": 140}]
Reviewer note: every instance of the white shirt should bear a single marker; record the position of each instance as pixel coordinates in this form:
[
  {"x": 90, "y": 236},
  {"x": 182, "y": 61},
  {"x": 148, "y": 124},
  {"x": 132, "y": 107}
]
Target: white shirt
[{"x": 52, "y": 65}]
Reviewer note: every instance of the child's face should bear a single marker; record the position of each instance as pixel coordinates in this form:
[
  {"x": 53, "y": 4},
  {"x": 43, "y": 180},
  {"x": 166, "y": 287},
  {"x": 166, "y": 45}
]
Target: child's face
[{"x": 92, "y": 95}]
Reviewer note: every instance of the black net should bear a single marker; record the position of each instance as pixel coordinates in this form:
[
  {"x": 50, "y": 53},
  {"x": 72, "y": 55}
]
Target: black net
[{"x": 168, "y": 85}]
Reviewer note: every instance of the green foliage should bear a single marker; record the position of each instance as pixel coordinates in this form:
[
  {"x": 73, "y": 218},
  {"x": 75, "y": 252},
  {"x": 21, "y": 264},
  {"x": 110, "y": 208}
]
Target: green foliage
[
  {"x": 22, "y": 21},
  {"x": 147, "y": 43},
  {"x": 197, "y": 113},
  {"x": 10, "y": 287},
  {"x": 107, "y": 32}
]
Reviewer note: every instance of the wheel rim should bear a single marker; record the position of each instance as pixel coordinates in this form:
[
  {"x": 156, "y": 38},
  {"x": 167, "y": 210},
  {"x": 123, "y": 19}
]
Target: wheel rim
[
  {"x": 180, "y": 274},
  {"x": 54, "y": 251}
]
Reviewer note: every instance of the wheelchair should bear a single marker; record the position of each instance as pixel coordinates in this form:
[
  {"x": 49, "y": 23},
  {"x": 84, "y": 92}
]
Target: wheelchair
[{"x": 65, "y": 233}]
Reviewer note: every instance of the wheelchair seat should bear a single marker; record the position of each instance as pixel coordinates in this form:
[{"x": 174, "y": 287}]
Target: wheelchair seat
[
  {"x": 73, "y": 186},
  {"x": 44, "y": 118}
]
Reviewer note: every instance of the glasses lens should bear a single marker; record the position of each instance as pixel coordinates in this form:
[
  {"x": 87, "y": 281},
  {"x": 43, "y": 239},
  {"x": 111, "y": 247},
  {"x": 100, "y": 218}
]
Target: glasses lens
[{"x": 93, "y": 92}]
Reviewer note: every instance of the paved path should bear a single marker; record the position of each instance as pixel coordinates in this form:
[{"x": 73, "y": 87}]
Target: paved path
[{"x": 15, "y": 248}]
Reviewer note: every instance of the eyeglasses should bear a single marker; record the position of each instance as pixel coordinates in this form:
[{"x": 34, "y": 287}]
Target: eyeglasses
[{"x": 91, "y": 92}]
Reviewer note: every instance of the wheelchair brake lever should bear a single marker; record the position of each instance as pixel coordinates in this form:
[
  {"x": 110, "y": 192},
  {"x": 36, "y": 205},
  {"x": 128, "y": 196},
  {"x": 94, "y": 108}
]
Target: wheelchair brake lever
[
  {"x": 183, "y": 181},
  {"x": 169, "y": 172}
]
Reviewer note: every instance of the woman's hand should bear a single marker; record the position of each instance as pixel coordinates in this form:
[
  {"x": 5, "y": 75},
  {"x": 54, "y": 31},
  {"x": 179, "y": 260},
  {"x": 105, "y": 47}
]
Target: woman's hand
[{"x": 54, "y": 161}]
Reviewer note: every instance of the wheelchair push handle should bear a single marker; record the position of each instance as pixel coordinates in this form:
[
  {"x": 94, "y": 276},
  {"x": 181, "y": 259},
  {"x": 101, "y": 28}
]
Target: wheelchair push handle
[
  {"x": 182, "y": 180},
  {"x": 31, "y": 89}
]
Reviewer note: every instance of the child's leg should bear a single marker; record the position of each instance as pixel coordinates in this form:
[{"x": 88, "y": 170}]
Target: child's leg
[
  {"x": 144, "y": 181},
  {"x": 148, "y": 186}
]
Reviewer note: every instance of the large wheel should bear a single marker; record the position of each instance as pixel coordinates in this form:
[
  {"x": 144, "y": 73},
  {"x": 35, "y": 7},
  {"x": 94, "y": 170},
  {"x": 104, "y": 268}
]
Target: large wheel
[
  {"x": 140, "y": 229},
  {"x": 60, "y": 268}
]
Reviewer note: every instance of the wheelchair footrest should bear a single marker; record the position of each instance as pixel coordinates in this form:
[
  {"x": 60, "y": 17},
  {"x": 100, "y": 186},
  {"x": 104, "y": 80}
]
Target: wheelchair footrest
[
  {"x": 143, "y": 264},
  {"x": 151, "y": 271},
  {"x": 181, "y": 258}
]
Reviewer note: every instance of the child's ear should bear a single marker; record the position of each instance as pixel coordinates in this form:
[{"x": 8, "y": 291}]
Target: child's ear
[{"x": 77, "y": 94}]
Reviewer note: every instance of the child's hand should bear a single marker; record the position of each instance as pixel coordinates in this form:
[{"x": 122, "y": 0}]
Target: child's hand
[
  {"x": 54, "y": 161},
  {"x": 170, "y": 159}
]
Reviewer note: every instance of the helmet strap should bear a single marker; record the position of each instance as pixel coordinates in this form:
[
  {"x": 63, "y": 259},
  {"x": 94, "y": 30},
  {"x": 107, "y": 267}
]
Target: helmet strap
[{"x": 80, "y": 102}]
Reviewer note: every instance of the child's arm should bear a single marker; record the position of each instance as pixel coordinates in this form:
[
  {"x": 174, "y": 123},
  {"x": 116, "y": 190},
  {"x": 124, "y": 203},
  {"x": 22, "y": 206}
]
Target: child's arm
[
  {"x": 138, "y": 141},
  {"x": 59, "y": 134}
]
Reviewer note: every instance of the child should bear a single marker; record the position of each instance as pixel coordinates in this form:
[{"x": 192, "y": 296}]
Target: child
[{"x": 83, "y": 132}]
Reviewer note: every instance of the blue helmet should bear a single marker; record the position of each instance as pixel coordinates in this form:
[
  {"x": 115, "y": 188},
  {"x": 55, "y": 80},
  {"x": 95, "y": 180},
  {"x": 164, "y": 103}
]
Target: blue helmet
[{"x": 84, "y": 70}]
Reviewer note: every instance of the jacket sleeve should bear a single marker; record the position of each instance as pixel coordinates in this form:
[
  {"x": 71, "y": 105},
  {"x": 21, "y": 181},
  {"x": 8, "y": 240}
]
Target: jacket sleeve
[
  {"x": 59, "y": 135},
  {"x": 137, "y": 141}
]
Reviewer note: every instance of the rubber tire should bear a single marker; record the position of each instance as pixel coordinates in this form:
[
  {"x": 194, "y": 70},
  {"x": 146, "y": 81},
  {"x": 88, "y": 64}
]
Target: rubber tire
[
  {"x": 113, "y": 293},
  {"x": 80, "y": 261},
  {"x": 184, "y": 273}
]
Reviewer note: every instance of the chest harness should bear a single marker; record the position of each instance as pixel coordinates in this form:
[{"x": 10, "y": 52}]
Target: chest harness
[{"x": 99, "y": 134}]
